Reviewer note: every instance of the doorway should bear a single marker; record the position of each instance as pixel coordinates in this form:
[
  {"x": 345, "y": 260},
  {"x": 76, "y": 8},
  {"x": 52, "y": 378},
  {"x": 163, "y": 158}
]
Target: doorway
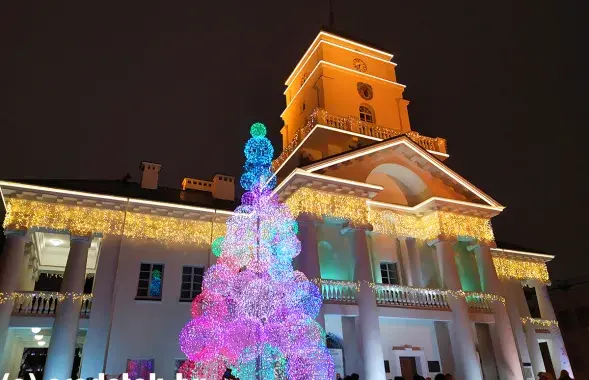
[
  {"x": 408, "y": 366},
  {"x": 546, "y": 358}
]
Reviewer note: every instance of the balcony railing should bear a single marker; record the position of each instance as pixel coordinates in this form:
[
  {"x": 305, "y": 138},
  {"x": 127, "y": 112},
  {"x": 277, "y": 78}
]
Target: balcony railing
[
  {"x": 354, "y": 124},
  {"x": 45, "y": 303},
  {"x": 344, "y": 292},
  {"x": 405, "y": 296}
]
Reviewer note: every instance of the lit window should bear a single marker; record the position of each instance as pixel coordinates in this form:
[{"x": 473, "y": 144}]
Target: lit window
[
  {"x": 151, "y": 278},
  {"x": 140, "y": 368},
  {"x": 366, "y": 114},
  {"x": 191, "y": 282},
  {"x": 389, "y": 274}
]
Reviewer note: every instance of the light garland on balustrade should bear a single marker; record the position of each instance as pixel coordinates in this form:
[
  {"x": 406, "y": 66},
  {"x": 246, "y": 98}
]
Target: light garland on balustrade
[
  {"x": 546, "y": 323},
  {"x": 521, "y": 270},
  {"x": 322, "y": 204},
  {"x": 79, "y": 220},
  {"x": 486, "y": 297},
  {"x": 350, "y": 284},
  {"x": 5, "y": 297}
]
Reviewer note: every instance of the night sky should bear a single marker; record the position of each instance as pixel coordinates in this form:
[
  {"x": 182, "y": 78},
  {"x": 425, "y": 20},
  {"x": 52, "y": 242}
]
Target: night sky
[{"x": 89, "y": 89}]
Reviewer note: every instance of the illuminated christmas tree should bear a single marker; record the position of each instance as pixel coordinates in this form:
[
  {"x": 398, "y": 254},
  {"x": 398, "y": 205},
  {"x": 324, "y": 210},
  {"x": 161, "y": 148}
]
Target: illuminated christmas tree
[{"x": 256, "y": 314}]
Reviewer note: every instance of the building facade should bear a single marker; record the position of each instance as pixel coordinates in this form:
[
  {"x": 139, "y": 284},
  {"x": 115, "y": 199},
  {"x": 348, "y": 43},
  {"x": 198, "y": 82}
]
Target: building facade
[{"x": 400, "y": 245}]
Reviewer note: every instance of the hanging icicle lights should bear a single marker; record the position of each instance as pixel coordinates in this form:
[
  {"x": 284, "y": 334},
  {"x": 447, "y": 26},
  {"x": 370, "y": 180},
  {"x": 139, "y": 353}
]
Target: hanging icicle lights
[{"x": 256, "y": 314}]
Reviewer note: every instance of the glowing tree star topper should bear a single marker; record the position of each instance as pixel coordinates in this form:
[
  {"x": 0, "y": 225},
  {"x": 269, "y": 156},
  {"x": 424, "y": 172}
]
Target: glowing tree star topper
[{"x": 256, "y": 314}]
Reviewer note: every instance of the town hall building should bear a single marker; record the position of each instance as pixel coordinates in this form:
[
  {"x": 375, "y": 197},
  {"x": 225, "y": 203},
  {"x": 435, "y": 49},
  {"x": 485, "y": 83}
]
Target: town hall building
[{"x": 98, "y": 276}]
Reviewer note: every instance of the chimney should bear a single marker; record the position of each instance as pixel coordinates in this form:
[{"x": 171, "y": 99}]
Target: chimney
[
  {"x": 150, "y": 174},
  {"x": 224, "y": 187}
]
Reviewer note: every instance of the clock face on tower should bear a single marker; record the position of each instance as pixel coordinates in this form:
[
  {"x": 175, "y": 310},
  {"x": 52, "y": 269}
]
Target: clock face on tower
[{"x": 359, "y": 65}]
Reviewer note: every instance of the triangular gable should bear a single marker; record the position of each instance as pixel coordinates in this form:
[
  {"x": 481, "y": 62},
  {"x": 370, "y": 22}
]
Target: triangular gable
[{"x": 429, "y": 162}]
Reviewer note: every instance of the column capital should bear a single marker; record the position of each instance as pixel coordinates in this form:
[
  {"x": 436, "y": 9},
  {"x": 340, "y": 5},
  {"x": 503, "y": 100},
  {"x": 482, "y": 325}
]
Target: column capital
[
  {"x": 441, "y": 239},
  {"x": 15, "y": 232},
  {"x": 308, "y": 218},
  {"x": 81, "y": 238},
  {"x": 349, "y": 226}
]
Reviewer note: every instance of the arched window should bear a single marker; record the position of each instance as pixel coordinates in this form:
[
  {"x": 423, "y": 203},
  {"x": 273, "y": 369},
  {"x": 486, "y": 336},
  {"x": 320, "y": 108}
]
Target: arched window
[{"x": 366, "y": 114}]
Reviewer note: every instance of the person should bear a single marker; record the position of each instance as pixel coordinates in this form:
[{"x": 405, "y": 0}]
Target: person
[
  {"x": 348, "y": 377},
  {"x": 355, "y": 376},
  {"x": 449, "y": 376},
  {"x": 440, "y": 376},
  {"x": 564, "y": 375},
  {"x": 398, "y": 378},
  {"x": 418, "y": 377},
  {"x": 228, "y": 374},
  {"x": 338, "y": 376}
]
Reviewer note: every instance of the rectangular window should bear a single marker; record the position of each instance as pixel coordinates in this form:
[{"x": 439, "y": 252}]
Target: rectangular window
[
  {"x": 191, "y": 282},
  {"x": 389, "y": 273},
  {"x": 139, "y": 368},
  {"x": 151, "y": 279}
]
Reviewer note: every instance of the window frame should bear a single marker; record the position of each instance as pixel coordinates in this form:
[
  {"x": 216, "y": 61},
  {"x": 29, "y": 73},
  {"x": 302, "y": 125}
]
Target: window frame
[
  {"x": 149, "y": 282},
  {"x": 365, "y": 110},
  {"x": 192, "y": 282},
  {"x": 388, "y": 271}
]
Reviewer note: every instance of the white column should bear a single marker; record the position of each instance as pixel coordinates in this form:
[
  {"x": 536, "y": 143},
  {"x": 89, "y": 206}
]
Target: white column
[
  {"x": 510, "y": 289},
  {"x": 27, "y": 281},
  {"x": 62, "y": 347},
  {"x": 557, "y": 347},
  {"x": 99, "y": 324},
  {"x": 406, "y": 273},
  {"x": 368, "y": 325},
  {"x": 462, "y": 336},
  {"x": 10, "y": 268},
  {"x": 505, "y": 348},
  {"x": 412, "y": 261},
  {"x": 308, "y": 259},
  {"x": 529, "y": 329}
]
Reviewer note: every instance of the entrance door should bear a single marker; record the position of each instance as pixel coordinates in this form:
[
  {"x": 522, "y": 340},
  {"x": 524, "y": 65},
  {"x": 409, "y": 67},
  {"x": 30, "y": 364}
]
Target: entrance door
[
  {"x": 408, "y": 367},
  {"x": 546, "y": 358}
]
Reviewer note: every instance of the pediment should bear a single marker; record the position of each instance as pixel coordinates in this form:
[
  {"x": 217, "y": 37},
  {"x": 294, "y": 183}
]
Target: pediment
[{"x": 408, "y": 174}]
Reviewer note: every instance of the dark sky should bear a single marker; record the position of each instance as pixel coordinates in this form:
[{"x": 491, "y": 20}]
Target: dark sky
[{"x": 89, "y": 89}]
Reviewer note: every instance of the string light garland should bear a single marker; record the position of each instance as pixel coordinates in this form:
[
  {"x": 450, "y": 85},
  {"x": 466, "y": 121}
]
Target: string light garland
[
  {"x": 5, "y": 297},
  {"x": 256, "y": 314},
  {"x": 521, "y": 270},
  {"x": 546, "y": 323},
  {"x": 79, "y": 220}
]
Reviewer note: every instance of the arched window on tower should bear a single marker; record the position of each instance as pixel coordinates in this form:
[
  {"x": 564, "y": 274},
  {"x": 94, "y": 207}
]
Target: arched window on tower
[{"x": 367, "y": 114}]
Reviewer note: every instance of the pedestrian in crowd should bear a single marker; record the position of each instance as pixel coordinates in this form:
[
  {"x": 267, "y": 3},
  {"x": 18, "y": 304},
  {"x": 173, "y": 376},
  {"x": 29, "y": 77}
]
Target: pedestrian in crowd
[
  {"x": 440, "y": 376},
  {"x": 428, "y": 378},
  {"x": 338, "y": 376},
  {"x": 449, "y": 376},
  {"x": 398, "y": 378},
  {"x": 355, "y": 376},
  {"x": 348, "y": 377},
  {"x": 564, "y": 375}
]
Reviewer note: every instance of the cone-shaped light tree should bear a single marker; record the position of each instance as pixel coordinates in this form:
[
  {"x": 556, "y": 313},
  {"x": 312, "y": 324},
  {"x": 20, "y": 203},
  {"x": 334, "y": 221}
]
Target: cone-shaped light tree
[{"x": 256, "y": 314}]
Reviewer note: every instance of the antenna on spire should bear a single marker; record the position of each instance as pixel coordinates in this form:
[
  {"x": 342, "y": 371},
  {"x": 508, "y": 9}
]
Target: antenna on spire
[{"x": 331, "y": 15}]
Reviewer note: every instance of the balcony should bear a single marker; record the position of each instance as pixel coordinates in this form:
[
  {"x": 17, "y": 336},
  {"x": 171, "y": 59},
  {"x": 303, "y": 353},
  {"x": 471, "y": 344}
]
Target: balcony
[
  {"x": 44, "y": 304},
  {"x": 343, "y": 292},
  {"x": 354, "y": 124}
]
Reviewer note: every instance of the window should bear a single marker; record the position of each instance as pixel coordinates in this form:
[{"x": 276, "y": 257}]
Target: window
[
  {"x": 366, "y": 114},
  {"x": 151, "y": 278},
  {"x": 139, "y": 368},
  {"x": 389, "y": 274},
  {"x": 191, "y": 282}
]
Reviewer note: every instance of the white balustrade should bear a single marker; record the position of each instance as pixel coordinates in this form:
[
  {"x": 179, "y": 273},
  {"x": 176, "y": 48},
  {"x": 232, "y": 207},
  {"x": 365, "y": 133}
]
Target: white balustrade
[
  {"x": 44, "y": 303},
  {"x": 406, "y": 296},
  {"x": 478, "y": 302},
  {"x": 338, "y": 291}
]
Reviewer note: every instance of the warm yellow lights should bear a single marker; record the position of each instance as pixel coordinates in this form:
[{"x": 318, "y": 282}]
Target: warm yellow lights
[
  {"x": 356, "y": 210},
  {"x": 4, "y": 297},
  {"x": 321, "y": 204},
  {"x": 79, "y": 220},
  {"x": 172, "y": 230},
  {"x": 521, "y": 270},
  {"x": 545, "y": 323}
]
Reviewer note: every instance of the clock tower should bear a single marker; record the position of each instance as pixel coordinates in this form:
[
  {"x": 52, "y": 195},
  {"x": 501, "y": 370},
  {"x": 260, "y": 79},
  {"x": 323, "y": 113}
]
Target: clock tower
[{"x": 344, "y": 80}]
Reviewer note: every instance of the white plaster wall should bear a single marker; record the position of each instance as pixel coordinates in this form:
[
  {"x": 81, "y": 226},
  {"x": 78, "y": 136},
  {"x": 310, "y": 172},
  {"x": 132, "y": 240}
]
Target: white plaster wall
[
  {"x": 416, "y": 333},
  {"x": 149, "y": 329}
]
